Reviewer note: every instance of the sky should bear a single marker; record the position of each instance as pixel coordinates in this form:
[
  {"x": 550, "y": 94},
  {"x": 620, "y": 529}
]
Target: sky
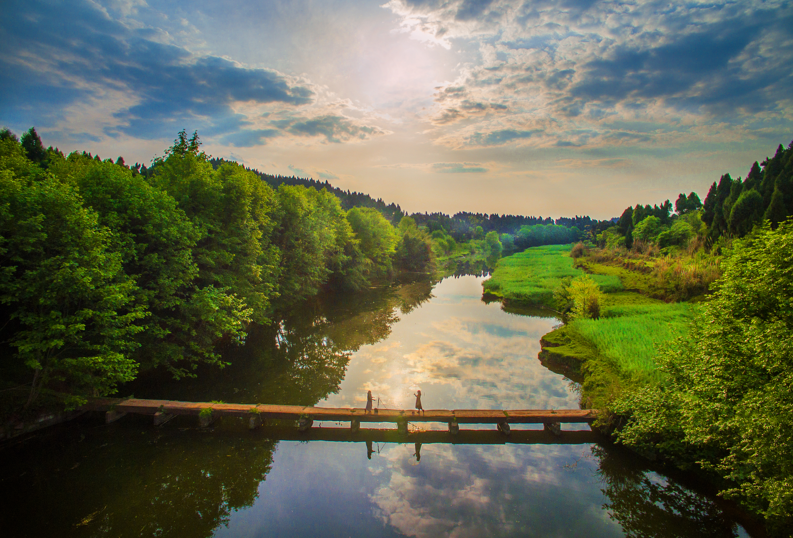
[{"x": 532, "y": 107}]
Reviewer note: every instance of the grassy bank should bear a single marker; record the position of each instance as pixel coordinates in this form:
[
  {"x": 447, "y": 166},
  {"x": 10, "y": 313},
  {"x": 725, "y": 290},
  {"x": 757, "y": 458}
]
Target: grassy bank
[
  {"x": 531, "y": 277},
  {"x": 616, "y": 351}
]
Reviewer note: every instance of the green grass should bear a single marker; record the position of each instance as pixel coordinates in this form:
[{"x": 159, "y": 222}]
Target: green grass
[
  {"x": 631, "y": 335},
  {"x": 633, "y": 280},
  {"x": 532, "y": 276}
]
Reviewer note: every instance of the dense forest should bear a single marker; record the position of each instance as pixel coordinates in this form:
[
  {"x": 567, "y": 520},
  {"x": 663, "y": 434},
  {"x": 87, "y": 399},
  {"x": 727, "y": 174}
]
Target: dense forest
[
  {"x": 109, "y": 269},
  {"x": 106, "y": 270}
]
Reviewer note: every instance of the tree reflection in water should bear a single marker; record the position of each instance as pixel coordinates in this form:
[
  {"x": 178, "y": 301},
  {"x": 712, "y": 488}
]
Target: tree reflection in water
[
  {"x": 648, "y": 504},
  {"x": 131, "y": 480},
  {"x": 299, "y": 360}
]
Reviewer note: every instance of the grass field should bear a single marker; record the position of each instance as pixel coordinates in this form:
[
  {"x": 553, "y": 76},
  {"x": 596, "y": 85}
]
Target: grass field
[
  {"x": 631, "y": 336},
  {"x": 618, "y": 350},
  {"x": 532, "y": 276}
]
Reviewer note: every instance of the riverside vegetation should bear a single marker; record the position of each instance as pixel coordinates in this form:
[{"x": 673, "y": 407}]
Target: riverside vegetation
[
  {"x": 108, "y": 270},
  {"x": 681, "y": 321},
  {"x": 105, "y": 271},
  {"x": 680, "y": 324}
]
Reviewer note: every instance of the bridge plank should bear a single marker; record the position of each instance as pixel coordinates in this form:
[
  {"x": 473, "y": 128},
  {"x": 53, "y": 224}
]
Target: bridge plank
[{"x": 294, "y": 412}]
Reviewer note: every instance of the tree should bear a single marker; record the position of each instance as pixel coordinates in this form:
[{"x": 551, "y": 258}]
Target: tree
[
  {"x": 648, "y": 229},
  {"x": 586, "y": 298},
  {"x": 414, "y": 250},
  {"x": 64, "y": 291},
  {"x": 493, "y": 244},
  {"x": 231, "y": 209},
  {"x": 378, "y": 239},
  {"x": 746, "y": 212},
  {"x": 726, "y": 392},
  {"x": 34, "y": 148},
  {"x": 776, "y": 212}
]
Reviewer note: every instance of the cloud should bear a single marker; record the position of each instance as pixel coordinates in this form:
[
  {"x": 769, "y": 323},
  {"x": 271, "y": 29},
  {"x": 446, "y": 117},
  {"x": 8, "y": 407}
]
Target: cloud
[
  {"x": 501, "y": 137},
  {"x": 335, "y": 129},
  {"x": 576, "y": 64},
  {"x": 328, "y": 175},
  {"x": 58, "y": 54},
  {"x": 249, "y": 138},
  {"x": 458, "y": 168},
  {"x": 298, "y": 171}
]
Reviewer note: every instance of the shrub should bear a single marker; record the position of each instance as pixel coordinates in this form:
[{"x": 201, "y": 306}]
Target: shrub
[{"x": 586, "y": 297}]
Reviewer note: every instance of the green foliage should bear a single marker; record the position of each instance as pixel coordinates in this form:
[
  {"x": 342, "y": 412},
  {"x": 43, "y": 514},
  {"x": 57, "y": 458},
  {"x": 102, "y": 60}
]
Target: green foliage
[
  {"x": 726, "y": 393},
  {"x": 414, "y": 250},
  {"x": 776, "y": 212},
  {"x": 231, "y": 210},
  {"x": 532, "y": 276},
  {"x": 377, "y": 239},
  {"x": 64, "y": 291},
  {"x": 586, "y": 298},
  {"x": 545, "y": 234},
  {"x": 679, "y": 234},
  {"x": 312, "y": 235},
  {"x": 746, "y": 212},
  {"x": 611, "y": 238},
  {"x": 493, "y": 244},
  {"x": 34, "y": 148},
  {"x": 648, "y": 229}
]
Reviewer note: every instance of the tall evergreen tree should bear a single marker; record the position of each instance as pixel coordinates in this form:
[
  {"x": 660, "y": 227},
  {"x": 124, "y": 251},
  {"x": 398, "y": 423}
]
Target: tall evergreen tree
[
  {"x": 33, "y": 146},
  {"x": 746, "y": 212},
  {"x": 776, "y": 212},
  {"x": 710, "y": 205}
]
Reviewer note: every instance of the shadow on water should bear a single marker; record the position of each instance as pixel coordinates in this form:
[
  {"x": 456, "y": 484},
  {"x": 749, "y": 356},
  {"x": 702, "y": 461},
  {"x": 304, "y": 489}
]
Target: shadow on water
[
  {"x": 647, "y": 501},
  {"x": 129, "y": 479}
]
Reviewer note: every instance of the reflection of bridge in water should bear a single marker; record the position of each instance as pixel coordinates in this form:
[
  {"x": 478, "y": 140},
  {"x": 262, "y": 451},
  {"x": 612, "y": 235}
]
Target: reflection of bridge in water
[
  {"x": 464, "y": 437},
  {"x": 305, "y": 416}
]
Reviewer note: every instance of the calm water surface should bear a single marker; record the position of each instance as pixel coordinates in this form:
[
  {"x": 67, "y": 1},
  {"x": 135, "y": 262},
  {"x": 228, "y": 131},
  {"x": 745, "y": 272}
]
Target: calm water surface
[{"x": 132, "y": 479}]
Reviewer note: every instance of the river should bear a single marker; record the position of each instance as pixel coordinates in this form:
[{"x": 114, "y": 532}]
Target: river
[{"x": 129, "y": 478}]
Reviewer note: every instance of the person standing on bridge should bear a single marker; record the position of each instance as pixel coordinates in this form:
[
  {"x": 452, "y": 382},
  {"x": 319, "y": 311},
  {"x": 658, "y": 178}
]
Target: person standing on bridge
[
  {"x": 369, "y": 401},
  {"x": 418, "y": 402}
]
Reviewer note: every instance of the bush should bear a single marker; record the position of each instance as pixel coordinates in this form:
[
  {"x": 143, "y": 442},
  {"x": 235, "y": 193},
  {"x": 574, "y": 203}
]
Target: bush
[
  {"x": 726, "y": 395},
  {"x": 586, "y": 298}
]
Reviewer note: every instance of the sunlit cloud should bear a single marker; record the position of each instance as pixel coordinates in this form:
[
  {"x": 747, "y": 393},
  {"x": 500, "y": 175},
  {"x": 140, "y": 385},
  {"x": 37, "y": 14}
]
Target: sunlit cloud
[{"x": 396, "y": 99}]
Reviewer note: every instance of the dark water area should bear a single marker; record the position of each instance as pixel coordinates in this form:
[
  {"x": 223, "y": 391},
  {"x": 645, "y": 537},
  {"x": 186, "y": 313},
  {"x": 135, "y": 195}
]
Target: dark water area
[{"x": 129, "y": 478}]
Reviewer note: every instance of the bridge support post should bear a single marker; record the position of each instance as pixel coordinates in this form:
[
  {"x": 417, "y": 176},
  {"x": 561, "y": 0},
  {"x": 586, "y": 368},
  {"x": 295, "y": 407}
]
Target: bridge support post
[
  {"x": 503, "y": 427},
  {"x": 454, "y": 428},
  {"x": 553, "y": 427},
  {"x": 254, "y": 421},
  {"x": 161, "y": 418},
  {"x": 402, "y": 426},
  {"x": 112, "y": 416},
  {"x": 355, "y": 425},
  {"x": 304, "y": 424},
  {"x": 205, "y": 419}
]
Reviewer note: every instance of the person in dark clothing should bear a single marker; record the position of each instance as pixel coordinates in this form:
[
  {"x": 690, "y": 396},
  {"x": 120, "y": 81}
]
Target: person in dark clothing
[
  {"x": 369, "y": 401},
  {"x": 418, "y": 402}
]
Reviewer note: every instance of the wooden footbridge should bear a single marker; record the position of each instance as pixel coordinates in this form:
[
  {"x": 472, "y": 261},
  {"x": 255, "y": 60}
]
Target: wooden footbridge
[{"x": 256, "y": 415}]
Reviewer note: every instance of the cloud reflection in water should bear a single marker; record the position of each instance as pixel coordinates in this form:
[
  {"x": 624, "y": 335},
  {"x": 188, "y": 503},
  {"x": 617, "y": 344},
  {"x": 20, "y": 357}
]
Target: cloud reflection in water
[{"x": 461, "y": 353}]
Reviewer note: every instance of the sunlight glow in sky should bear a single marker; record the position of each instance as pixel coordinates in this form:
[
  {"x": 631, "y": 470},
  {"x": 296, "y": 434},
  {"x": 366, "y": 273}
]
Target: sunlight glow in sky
[{"x": 534, "y": 107}]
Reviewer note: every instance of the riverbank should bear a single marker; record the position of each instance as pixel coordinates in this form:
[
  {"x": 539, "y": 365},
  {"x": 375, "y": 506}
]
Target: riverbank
[{"x": 692, "y": 380}]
